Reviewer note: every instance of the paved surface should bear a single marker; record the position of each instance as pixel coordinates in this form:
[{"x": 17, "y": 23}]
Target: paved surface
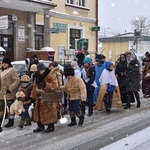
[{"x": 98, "y": 131}]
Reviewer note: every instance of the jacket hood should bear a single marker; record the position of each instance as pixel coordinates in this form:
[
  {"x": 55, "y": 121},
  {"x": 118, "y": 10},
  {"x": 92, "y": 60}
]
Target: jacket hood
[{"x": 107, "y": 65}]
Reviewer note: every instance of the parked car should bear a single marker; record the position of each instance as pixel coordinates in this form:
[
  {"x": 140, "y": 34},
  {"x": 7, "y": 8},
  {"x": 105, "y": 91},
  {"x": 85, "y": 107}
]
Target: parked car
[{"x": 20, "y": 66}]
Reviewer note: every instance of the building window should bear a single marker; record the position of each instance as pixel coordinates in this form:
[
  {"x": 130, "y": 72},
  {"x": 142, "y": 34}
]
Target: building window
[
  {"x": 81, "y": 3},
  {"x": 39, "y": 37},
  {"x": 74, "y": 34}
]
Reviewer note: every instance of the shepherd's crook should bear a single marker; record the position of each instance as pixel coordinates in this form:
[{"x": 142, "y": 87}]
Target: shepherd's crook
[{"x": 5, "y": 105}]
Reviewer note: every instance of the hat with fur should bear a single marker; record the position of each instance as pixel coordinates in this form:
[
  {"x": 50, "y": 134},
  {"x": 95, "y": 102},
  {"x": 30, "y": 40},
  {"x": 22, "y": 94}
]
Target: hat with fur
[{"x": 25, "y": 78}]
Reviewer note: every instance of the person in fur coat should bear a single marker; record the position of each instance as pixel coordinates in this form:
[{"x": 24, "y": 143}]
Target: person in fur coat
[
  {"x": 76, "y": 94},
  {"x": 9, "y": 82},
  {"x": 44, "y": 113},
  {"x": 55, "y": 73}
]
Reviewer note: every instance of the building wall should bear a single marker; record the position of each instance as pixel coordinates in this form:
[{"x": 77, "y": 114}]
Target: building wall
[
  {"x": 62, "y": 38},
  {"x": 112, "y": 50},
  {"x": 22, "y": 21}
]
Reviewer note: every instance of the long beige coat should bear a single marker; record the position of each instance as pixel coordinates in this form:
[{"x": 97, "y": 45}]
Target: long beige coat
[{"x": 9, "y": 80}]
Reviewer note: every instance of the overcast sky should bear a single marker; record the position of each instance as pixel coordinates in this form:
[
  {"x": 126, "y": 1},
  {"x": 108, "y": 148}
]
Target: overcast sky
[{"x": 116, "y": 14}]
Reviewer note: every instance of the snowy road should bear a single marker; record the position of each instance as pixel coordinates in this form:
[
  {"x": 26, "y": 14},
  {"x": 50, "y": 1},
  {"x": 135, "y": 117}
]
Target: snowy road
[{"x": 98, "y": 131}]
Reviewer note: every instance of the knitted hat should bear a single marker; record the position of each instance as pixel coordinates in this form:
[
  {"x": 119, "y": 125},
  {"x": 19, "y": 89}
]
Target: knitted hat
[
  {"x": 25, "y": 78},
  {"x": 6, "y": 60},
  {"x": 33, "y": 67},
  {"x": 20, "y": 94},
  {"x": 41, "y": 66},
  {"x": 69, "y": 72},
  {"x": 87, "y": 60}
]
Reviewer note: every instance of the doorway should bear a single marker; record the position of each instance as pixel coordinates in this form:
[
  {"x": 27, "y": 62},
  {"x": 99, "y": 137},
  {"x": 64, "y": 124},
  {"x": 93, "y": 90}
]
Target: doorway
[{"x": 7, "y": 44}]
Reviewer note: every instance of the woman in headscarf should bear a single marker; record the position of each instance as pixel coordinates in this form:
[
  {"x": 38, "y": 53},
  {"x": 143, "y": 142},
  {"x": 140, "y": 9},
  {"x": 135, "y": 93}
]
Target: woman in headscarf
[{"x": 133, "y": 76}]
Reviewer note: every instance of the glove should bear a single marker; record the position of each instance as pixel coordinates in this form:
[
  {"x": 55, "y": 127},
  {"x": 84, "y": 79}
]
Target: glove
[
  {"x": 42, "y": 84},
  {"x": 8, "y": 91}
]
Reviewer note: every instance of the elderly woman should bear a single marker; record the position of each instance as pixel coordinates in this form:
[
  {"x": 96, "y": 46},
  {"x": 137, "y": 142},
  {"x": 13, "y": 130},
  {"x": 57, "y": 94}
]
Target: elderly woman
[
  {"x": 44, "y": 113},
  {"x": 133, "y": 77}
]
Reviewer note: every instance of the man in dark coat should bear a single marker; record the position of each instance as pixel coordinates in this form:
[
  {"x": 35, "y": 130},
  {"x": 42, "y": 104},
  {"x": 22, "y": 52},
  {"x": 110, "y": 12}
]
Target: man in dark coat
[
  {"x": 80, "y": 56},
  {"x": 133, "y": 75}
]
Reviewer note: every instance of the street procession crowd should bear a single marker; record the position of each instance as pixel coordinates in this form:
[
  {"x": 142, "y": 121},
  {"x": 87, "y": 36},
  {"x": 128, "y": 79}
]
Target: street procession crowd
[{"x": 83, "y": 87}]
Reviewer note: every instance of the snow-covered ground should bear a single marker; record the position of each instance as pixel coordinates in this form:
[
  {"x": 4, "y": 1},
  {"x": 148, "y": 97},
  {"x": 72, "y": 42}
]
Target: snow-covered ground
[{"x": 137, "y": 141}]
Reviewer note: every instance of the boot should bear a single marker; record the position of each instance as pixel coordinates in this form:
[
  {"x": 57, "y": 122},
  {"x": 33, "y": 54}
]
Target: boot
[
  {"x": 0, "y": 125},
  {"x": 128, "y": 105},
  {"x": 10, "y": 123},
  {"x": 73, "y": 122},
  {"x": 39, "y": 128},
  {"x": 81, "y": 119},
  {"x": 27, "y": 122},
  {"x": 21, "y": 123},
  {"x": 137, "y": 99},
  {"x": 90, "y": 111},
  {"x": 50, "y": 128}
]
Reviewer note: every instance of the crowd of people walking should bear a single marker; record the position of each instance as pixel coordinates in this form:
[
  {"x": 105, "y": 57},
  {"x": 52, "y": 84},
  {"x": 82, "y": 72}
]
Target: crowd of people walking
[{"x": 85, "y": 86}]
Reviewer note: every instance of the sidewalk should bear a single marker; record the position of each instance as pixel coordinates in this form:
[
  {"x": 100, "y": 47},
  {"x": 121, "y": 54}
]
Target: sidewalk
[{"x": 137, "y": 141}]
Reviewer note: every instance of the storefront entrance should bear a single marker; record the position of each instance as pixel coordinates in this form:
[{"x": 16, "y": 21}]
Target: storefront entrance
[
  {"x": 7, "y": 41},
  {"x": 7, "y": 44}
]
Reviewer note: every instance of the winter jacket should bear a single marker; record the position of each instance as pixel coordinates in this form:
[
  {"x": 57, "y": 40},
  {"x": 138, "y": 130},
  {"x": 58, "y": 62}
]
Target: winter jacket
[
  {"x": 75, "y": 88},
  {"x": 133, "y": 76},
  {"x": 55, "y": 73},
  {"x": 9, "y": 80},
  {"x": 88, "y": 76},
  {"x": 44, "y": 112}
]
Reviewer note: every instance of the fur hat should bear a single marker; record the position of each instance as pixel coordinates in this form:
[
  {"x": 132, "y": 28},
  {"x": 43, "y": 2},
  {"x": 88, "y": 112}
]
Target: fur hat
[
  {"x": 69, "y": 72},
  {"x": 20, "y": 94},
  {"x": 87, "y": 60},
  {"x": 6, "y": 60},
  {"x": 25, "y": 78},
  {"x": 33, "y": 67},
  {"x": 41, "y": 66}
]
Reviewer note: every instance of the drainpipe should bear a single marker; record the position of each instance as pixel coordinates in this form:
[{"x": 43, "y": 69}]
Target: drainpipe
[{"x": 96, "y": 25}]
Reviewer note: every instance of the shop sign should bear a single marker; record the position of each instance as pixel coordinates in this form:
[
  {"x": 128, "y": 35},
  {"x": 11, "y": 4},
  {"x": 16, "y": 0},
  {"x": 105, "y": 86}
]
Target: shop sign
[
  {"x": 61, "y": 52},
  {"x": 3, "y": 22},
  {"x": 21, "y": 34},
  {"x": 61, "y": 26}
]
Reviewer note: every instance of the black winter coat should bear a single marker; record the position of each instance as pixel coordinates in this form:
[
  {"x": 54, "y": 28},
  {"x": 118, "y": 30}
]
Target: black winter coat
[{"x": 133, "y": 76}]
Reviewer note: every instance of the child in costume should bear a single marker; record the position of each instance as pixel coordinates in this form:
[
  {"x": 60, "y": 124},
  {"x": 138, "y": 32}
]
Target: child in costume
[{"x": 108, "y": 84}]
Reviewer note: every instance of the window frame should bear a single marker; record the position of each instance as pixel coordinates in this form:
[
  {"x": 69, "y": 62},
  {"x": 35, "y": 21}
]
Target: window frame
[{"x": 77, "y": 3}]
